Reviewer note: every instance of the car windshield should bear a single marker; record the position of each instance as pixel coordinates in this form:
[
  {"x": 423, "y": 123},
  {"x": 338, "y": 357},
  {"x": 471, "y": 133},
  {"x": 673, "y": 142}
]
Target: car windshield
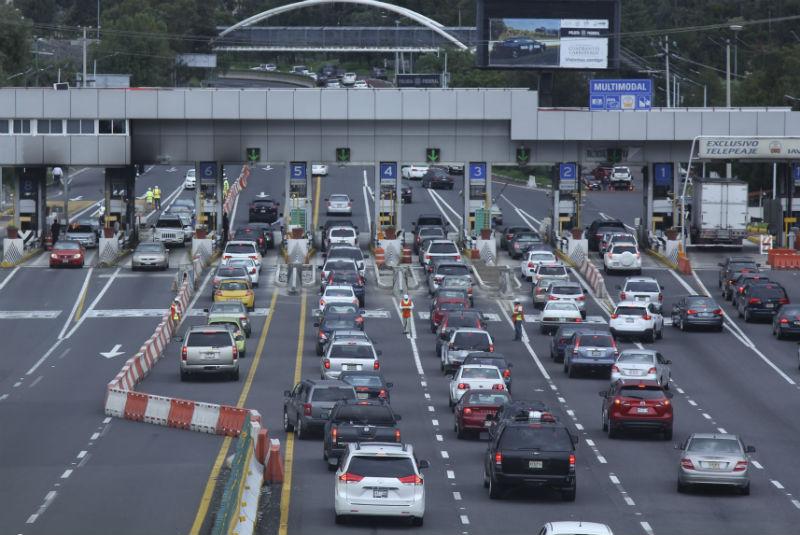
[
  {"x": 636, "y": 358},
  {"x": 561, "y": 306},
  {"x": 149, "y": 248},
  {"x": 346, "y": 252},
  {"x": 350, "y": 277},
  {"x": 431, "y": 233},
  {"x": 208, "y": 339},
  {"x": 169, "y": 223},
  {"x": 454, "y": 282},
  {"x": 699, "y": 301},
  {"x": 227, "y": 308},
  {"x": 452, "y": 305},
  {"x": 714, "y": 446},
  {"x": 362, "y": 380},
  {"x": 339, "y": 265},
  {"x": 596, "y": 340},
  {"x": 343, "y": 233},
  {"x": 351, "y": 351},
  {"x": 452, "y": 270},
  {"x": 341, "y": 309},
  {"x": 462, "y": 320},
  {"x": 551, "y": 271},
  {"x": 536, "y": 437},
  {"x": 769, "y": 291},
  {"x": 339, "y": 292},
  {"x": 742, "y": 266},
  {"x": 488, "y": 398},
  {"x": 630, "y": 311},
  {"x": 233, "y": 285},
  {"x": 373, "y": 414},
  {"x": 443, "y": 248},
  {"x": 79, "y": 228},
  {"x": 231, "y": 271},
  {"x": 527, "y": 236},
  {"x": 67, "y": 245},
  {"x": 240, "y": 248},
  {"x": 488, "y": 361},
  {"x": 566, "y": 290},
  {"x": 476, "y": 341},
  {"x": 450, "y": 294},
  {"x": 639, "y": 392},
  {"x": 480, "y": 373},
  {"x": 225, "y": 323},
  {"x": 266, "y": 203},
  {"x": 333, "y": 393},
  {"x": 385, "y": 466},
  {"x": 619, "y": 249},
  {"x": 338, "y": 323},
  {"x": 241, "y": 262},
  {"x": 541, "y": 257},
  {"x": 790, "y": 310},
  {"x": 642, "y": 286},
  {"x": 339, "y": 198},
  {"x": 433, "y": 221}
]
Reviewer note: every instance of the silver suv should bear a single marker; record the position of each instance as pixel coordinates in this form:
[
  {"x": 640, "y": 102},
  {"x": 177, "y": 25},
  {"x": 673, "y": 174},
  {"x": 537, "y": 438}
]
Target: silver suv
[
  {"x": 169, "y": 230},
  {"x": 462, "y": 342},
  {"x": 641, "y": 289},
  {"x": 348, "y": 355},
  {"x": 209, "y": 349}
]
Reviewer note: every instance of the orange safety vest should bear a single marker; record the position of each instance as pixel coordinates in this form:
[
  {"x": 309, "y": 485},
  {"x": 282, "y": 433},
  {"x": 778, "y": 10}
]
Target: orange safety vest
[{"x": 405, "y": 306}]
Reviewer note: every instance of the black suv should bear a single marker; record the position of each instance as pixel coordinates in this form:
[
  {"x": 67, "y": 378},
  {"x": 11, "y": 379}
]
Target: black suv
[
  {"x": 263, "y": 210},
  {"x": 530, "y": 451},
  {"x": 595, "y": 231},
  {"x": 358, "y": 421},
  {"x": 741, "y": 280},
  {"x": 761, "y": 300},
  {"x": 308, "y": 405},
  {"x": 436, "y": 177},
  {"x": 731, "y": 268},
  {"x": 519, "y": 408}
]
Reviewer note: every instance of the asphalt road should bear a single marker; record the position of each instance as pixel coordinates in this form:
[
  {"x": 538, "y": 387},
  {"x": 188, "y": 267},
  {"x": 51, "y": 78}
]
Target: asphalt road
[{"x": 67, "y": 469}]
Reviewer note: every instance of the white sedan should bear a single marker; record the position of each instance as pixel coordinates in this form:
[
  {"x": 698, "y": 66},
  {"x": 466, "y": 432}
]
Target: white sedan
[
  {"x": 190, "y": 180},
  {"x": 623, "y": 257},
  {"x": 319, "y": 169},
  {"x": 534, "y": 258},
  {"x": 557, "y": 313},
  {"x": 339, "y": 204},
  {"x": 643, "y": 365},
  {"x": 413, "y": 172},
  {"x": 475, "y": 377},
  {"x": 338, "y": 294},
  {"x": 247, "y": 263}
]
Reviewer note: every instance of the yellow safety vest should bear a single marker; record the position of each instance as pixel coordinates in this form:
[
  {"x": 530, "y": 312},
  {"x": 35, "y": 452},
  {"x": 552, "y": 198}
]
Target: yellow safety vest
[
  {"x": 157, "y": 193},
  {"x": 149, "y": 195}
]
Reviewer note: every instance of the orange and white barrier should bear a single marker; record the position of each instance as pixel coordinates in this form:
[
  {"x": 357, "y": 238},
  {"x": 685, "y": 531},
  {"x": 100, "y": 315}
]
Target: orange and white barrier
[
  {"x": 237, "y": 187},
  {"x": 591, "y": 273}
]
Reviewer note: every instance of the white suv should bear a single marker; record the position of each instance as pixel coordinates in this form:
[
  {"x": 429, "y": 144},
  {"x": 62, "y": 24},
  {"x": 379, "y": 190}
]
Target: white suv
[
  {"x": 637, "y": 319},
  {"x": 242, "y": 249},
  {"x": 641, "y": 289},
  {"x": 344, "y": 234},
  {"x": 380, "y": 479},
  {"x": 623, "y": 257}
]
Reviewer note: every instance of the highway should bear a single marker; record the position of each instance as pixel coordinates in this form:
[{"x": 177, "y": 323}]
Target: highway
[{"x": 68, "y": 469}]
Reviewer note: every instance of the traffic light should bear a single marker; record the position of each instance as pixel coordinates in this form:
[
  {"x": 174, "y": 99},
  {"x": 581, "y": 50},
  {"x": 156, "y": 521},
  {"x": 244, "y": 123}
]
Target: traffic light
[
  {"x": 433, "y": 155},
  {"x": 343, "y": 155},
  {"x": 523, "y": 155}
]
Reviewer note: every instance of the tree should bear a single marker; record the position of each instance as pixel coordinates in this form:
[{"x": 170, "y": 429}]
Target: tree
[{"x": 15, "y": 45}]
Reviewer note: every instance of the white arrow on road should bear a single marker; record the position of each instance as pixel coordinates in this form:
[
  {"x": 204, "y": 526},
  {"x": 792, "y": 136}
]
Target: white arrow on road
[
  {"x": 115, "y": 352},
  {"x": 267, "y": 168},
  {"x": 79, "y": 197},
  {"x": 262, "y": 195}
]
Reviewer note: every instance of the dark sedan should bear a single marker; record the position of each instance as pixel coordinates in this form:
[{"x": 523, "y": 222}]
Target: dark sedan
[
  {"x": 472, "y": 410},
  {"x": 522, "y": 242},
  {"x": 563, "y": 336},
  {"x": 515, "y": 47},
  {"x": 786, "y": 322},
  {"x": 731, "y": 268},
  {"x": 261, "y": 233},
  {"x": 406, "y": 195},
  {"x": 697, "y": 311},
  {"x": 437, "y": 178},
  {"x": 334, "y": 322},
  {"x": 369, "y": 384},
  {"x": 508, "y": 234},
  {"x": 263, "y": 210}
]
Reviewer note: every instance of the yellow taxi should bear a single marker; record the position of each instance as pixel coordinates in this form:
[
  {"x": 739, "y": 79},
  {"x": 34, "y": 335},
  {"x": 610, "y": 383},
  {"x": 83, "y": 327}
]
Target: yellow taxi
[{"x": 236, "y": 290}]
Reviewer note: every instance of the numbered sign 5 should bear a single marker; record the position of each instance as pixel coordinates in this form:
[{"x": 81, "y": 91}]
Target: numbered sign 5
[{"x": 298, "y": 170}]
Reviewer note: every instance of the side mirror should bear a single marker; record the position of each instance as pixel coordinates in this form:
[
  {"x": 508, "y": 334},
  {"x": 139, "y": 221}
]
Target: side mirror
[
  {"x": 618, "y": 287},
  {"x": 423, "y": 464},
  {"x": 451, "y": 345},
  {"x": 397, "y": 417},
  {"x": 575, "y": 440},
  {"x": 758, "y": 264},
  {"x": 661, "y": 286},
  {"x": 677, "y": 446},
  {"x": 205, "y": 310},
  {"x": 361, "y": 311},
  {"x": 669, "y": 395},
  {"x": 316, "y": 324},
  {"x": 603, "y": 394},
  {"x": 178, "y": 338},
  {"x": 750, "y": 449},
  {"x": 287, "y": 393},
  {"x": 389, "y": 385},
  {"x": 720, "y": 264},
  {"x": 322, "y": 227},
  {"x": 510, "y": 365},
  {"x": 325, "y": 199},
  {"x": 379, "y": 352},
  {"x": 280, "y": 214},
  {"x": 667, "y": 361},
  {"x": 278, "y": 204}
]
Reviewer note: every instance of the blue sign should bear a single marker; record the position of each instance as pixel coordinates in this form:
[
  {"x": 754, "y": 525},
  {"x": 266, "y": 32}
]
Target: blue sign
[
  {"x": 207, "y": 170},
  {"x": 477, "y": 172},
  {"x": 388, "y": 171},
  {"x": 298, "y": 170},
  {"x": 796, "y": 174},
  {"x": 606, "y": 95},
  {"x": 27, "y": 185},
  {"x": 568, "y": 176},
  {"x": 662, "y": 174}
]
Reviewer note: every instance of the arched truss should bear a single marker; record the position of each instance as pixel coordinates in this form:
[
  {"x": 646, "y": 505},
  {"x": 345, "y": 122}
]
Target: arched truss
[{"x": 413, "y": 15}]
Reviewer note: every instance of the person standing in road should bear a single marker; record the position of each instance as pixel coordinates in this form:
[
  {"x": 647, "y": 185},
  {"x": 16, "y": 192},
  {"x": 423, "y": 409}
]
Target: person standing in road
[
  {"x": 57, "y": 174},
  {"x": 225, "y": 226},
  {"x": 406, "y": 306},
  {"x": 225, "y": 188},
  {"x": 519, "y": 318},
  {"x": 157, "y": 197},
  {"x": 148, "y": 198},
  {"x": 55, "y": 229}
]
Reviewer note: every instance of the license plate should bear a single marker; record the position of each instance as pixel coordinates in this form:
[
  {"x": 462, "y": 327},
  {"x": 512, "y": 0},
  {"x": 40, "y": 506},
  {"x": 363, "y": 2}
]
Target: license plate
[
  {"x": 704, "y": 314},
  {"x": 350, "y": 367},
  {"x": 642, "y": 410},
  {"x": 64, "y": 261},
  {"x": 714, "y": 465},
  {"x": 487, "y": 423},
  {"x": 628, "y": 320},
  {"x": 209, "y": 356},
  {"x": 770, "y": 305},
  {"x": 326, "y": 414},
  {"x": 362, "y": 395},
  {"x": 596, "y": 353},
  {"x": 636, "y": 372},
  {"x": 534, "y": 465},
  {"x": 380, "y": 493}
]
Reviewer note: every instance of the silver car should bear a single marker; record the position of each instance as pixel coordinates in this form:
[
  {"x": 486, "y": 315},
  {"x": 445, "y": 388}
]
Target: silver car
[
  {"x": 641, "y": 289},
  {"x": 339, "y": 204},
  {"x": 83, "y": 232},
  {"x": 540, "y": 289},
  {"x": 568, "y": 291},
  {"x": 348, "y": 355},
  {"x": 150, "y": 255},
  {"x": 644, "y": 364},
  {"x": 462, "y": 342},
  {"x": 209, "y": 349},
  {"x": 557, "y": 313},
  {"x": 714, "y": 459}
]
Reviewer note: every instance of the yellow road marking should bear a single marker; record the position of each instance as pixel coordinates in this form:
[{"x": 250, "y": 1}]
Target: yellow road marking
[
  {"x": 317, "y": 195},
  {"x": 79, "y": 310},
  {"x": 208, "y": 492},
  {"x": 288, "y": 456}
]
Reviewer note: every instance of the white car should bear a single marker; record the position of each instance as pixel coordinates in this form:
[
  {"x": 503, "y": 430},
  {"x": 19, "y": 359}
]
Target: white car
[
  {"x": 557, "y": 313},
  {"x": 570, "y": 527},
  {"x": 642, "y": 364},
  {"x": 332, "y": 84},
  {"x": 550, "y": 271},
  {"x": 339, "y": 204},
  {"x": 190, "y": 180},
  {"x": 349, "y": 78},
  {"x": 380, "y": 479},
  {"x": 343, "y": 234},
  {"x": 440, "y": 249},
  {"x": 319, "y": 169},
  {"x": 413, "y": 172},
  {"x": 242, "y": 249},
  {"x": 623, "y": 257},
  {"x": 533, "y": 259},
  {"x": 360, "y": 84},
  {"x": 475, "y": 377},
  {"x": 641, "y": 289},
  {"x": 567, "y": 291},
  {"x": 336, "y": 294},
  {"x": 348, "y": 354},
  {"x": 637, "y": 319},
  {"x": 248, "y": 264}
]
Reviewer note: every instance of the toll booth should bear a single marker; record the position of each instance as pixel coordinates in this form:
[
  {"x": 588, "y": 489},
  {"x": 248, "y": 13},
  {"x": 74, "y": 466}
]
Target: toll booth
[
  {"x": 298, "y": 197},
  {"x": 388, "y": 202},
  {"x": 659, "y": 197},
  {"x": 120, "y": 199},
  {"x": 477, "y": 215},
  {"x": 566, "y": 197},
  {"x": 30, "y": 197},
  {"x": 208, "y": 196}
]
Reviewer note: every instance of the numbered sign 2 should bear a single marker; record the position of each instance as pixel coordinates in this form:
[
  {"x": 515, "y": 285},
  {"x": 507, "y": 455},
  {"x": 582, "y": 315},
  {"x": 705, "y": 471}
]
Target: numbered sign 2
[{"x": 568, "y": 171}]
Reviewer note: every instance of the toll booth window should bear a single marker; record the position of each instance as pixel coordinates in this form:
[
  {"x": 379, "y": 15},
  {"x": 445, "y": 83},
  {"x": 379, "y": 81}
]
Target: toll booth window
[
  {"x": 111, "y": 126},
  {"x": 50, "y": 126},
  {"x": 3, "y": 126},
  {"x": 298, "y": 189},
  {"x": 80, "y": 126},
  {"x": 477, "y": 192},
  {"x": 22, "y": 126}
]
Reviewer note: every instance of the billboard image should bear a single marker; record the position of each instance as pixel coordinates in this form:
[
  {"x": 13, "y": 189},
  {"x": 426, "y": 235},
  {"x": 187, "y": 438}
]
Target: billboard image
[{"x": 543, "y": 43}]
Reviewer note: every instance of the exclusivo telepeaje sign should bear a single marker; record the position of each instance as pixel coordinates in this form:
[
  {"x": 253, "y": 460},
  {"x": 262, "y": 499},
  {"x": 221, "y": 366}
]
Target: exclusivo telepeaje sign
[{"x": 749, "y": 148}]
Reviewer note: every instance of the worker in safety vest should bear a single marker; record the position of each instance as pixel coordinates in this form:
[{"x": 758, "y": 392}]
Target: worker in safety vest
[
  {"x": 406, "y": 306},
  {"x": 175, "y": 311},
  {"x": 148, "y": 197},
  {"x": 157, "y": 197},
  {"x": 225, "y": 188},
  {"x": 519, "y": 317}
]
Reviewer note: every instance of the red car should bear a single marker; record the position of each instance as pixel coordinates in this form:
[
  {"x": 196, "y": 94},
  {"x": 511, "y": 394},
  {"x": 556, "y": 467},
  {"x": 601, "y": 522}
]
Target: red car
[
  {"x": 633, "y": 404},
  {"x": 441, "y": 305},
  {"x": 67, "y": 254},
  {"x": 473, "y": 407}
]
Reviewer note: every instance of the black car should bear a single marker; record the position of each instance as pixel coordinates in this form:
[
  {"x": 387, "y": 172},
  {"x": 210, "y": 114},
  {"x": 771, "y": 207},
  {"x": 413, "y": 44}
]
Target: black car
[
  {"x": 736, "y": 288},
  {"x": 519, "y": 408},
  {"x": 437, "y": 178},
  {"x": 455, "y": 169},
  {"x": 522, "y": 242},
  {"x": 529, "y": 451},
  {"x": 254, "y": 234},
  {"x": 786, "y": 322},
  {"x": 515, "y": 47},
  {"x": 492, "y": 359},
  {"x": 267, "y": 230},
  {"x": 508, "y": 234},
  {"x": 563, "y": 336},
  {"x": 353, "y": 279},
  {"x": 263, "y": 210},
  {"x": 368, "y": 384},
  {"x": 761, "y": 300},
  {"x": 406, "y": 195},
  {"x": 697, "y": 311},
  {"x": 358, "y": 421},
  {"x": 595, "y": 231},
  {"x": 732, "y": 267},
  {"x": 347, "y": 321}
]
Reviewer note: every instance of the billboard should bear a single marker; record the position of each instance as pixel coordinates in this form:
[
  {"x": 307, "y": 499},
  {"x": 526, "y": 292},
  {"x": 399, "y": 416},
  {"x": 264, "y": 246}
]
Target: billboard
[{"x": 548, "y": 35}]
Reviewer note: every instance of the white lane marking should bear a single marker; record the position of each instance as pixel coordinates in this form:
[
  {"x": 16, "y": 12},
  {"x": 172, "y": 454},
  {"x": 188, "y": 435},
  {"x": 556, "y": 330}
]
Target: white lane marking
[
  {"x": 29, "y": 314},
  {"x": 447, "y": 204},
  {"x": 96, "y": 300},
  {"x": 435, "y": 423},
  {"x": 579, "y": 427},
  {"x": 442, "y": 210},
  {"x": 168, "y": 200},
  {"x": 32, "y": 519},
  {"x": 706, "y": 416},
  {"x": 445, "y": 455},
  {"x": 451, "y": 474},
  {"x": 525, "y": 216},
  {"x": 796, "y": 503},
  {"x": 82, "y": 454},
  {"x": 777, "y": 484},
  {"x": 590, "y": 442},
  {"x": 412, "y": 338},
  {"x": 50, "y": 496},
  {"x": 457, "y": 496},
  {"x": 722, "y": 430},
  {"x": 646, "y": 527},
  {"x": 439, "y": 438},
  {"x": 614, "y": 479},
  {"x": 77, "y": 302},
  {"x": 562, "y": 400},
  {"x": 756, "y": 464},
  {"x": 66, "y": 473},
  {"x": 4, "y": 396},
  {"x": 94, "y": 436},
  {"x": 36, "y": 381},
  {"x": 427, "y": 396},
  {"x": 430, "y": 408},
  {"x": 464, "y": 519},
  {"x": 16, "y": 385},
  {"x": 601, "y": 459},
  {"x": 90, "y": 207},
  {"x": 680, "y": 390},
  {"x": 106, "y": 420},
  {"x": 423, "y": 384},
  {"x": 692, "y": 402},
  {"x": 571, "y": 413},
  {"x": 366, "y": 202},
  {"x": 10, "y": 275},
  {"x": 629, "y": 500},
  {"x": 525, "y": 342}
]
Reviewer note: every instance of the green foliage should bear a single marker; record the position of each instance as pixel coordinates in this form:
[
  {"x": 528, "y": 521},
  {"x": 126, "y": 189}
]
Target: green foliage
[{"x": 15, "y": 44}]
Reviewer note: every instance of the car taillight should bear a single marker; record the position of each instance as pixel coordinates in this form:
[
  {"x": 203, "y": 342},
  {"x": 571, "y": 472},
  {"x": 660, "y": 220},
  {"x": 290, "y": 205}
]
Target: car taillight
[
  {"x": 376, "y": 365},
  {"x": 226, "y": 257},
  {"x": 647, "y": 317},
  {"x": 691, "y": 311},
  {"x": 552, "y": 298},
  {"x": 754, "y": 301},
  {"x": 498, "y": 458},
  {"x": 467, "y": 411},
  {"x": 506, "y": 373},
  {"x": 321, "y": 303},
  {"x": 572, "y": 460},
  {"x": 717, "y": 311},
  {"x": 249, "y": 293},
  {"x": 235, "y": 352},
  {"x": 334, "y": 435},
  {"x": 359, "y": 319},
  {"x": 397, "y": 435},
  {"x": 218, "y": 292},
  {"x": 491, "y": 348},
  {"x": 382, "y": 394},
  {"x": 498, "y": 386},
  {"x": 253, "y": 257},
  {"x": 427, "y": 257},
  {"x": 539, "y": 290},
  {"x": 306, "y": 409},
  {"x": 347, "y": 477},
  {"x": 327, "y": 364},
  {"x": 784, "y": 321},
  {"x": 581, "y": 298},
  {"x": 660, "y": 297},
  {"x": 741, "y": 466},
  {"x": 614, "y": 368},
  {"x": 458, "y": 258},
  {"x": 253, "y": 270},
  {"x": 687, "y": 464},
  {"x": 463, "y": 386},
  {"x": 184, "y": 353},
  {"x": 614, "y": 316},
  {"x": 782, "y": 300},
  {"x": 530, "y": 264},
  {"x": 652, "y": 370},
  {"x": 243, "y": 318},
  {"x": 623, "y": 296},
  {"x": 410, "y": 480}
]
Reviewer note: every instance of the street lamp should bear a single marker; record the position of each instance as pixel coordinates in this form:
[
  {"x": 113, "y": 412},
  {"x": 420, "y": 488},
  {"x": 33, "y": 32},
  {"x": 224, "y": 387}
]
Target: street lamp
[{"x": 735, "y": 28}]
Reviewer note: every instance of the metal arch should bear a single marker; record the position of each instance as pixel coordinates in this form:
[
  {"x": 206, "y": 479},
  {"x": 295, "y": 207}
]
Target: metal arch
[{"x": 413, "y": 15}]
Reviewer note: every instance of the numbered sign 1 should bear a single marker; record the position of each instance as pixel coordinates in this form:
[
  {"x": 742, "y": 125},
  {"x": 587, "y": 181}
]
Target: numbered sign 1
[
  {"x": 796, "y": 173},
  {"x": 388, "y": 171},
  {"x": 477, "y": 171},
  {"x": 662, "y": 173},
  {"x": 298, "y": 170}
]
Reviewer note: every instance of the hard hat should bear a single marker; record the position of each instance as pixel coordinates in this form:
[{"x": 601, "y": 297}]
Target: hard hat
[{"x": 405, "y": 296}]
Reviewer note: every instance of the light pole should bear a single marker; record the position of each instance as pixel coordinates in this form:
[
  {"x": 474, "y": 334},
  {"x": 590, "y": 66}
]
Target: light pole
[{"x": 734, "y": 28}]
